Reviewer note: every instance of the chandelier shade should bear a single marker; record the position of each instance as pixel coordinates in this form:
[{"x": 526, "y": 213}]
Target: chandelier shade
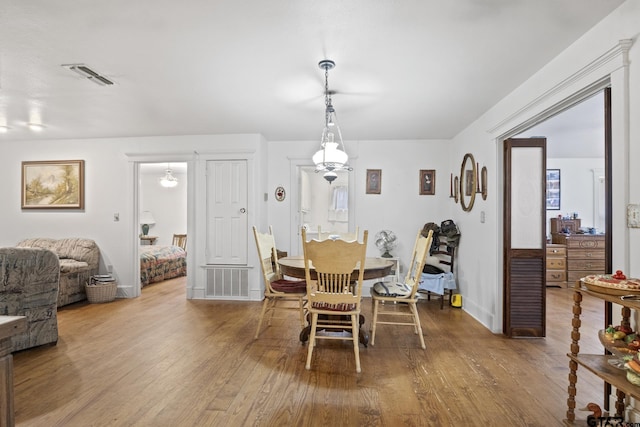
[
  {"x": 168, "y": 180},
  {"x": 332, "y": 155}
]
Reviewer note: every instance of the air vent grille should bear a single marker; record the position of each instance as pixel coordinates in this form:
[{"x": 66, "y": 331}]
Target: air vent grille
[{"x": 89, "y": 74}]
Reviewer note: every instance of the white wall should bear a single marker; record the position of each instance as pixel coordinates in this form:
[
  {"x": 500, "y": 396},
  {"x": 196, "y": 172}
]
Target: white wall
[
  {"x": 576, "y": 189},
  {"x": 399, "y": 207},
  {"x": 110, "y": 188},
  {"x": 168, "y": 205}
]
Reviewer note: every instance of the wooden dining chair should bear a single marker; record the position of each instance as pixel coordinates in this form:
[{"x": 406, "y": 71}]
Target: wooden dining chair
[
  {"x": 180, "y": 240},
  {"x": 333, "y": 294},
  {"x": 386, "y": 296},
  {"x": 278, "y": 291},
  {"x": 443, "y": 259}
]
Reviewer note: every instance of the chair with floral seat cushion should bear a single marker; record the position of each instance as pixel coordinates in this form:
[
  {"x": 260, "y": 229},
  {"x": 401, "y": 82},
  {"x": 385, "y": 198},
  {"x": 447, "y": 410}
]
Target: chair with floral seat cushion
[
  {"x": 278, "y": 291},
  {"x": 385, "y": 299},
  {"x": 333, "y": 293}
]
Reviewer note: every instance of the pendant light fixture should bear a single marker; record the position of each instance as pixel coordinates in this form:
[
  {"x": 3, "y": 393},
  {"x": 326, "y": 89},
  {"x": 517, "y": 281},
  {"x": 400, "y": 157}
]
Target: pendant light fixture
[
  {"x": 168, "y": 180},
  {"x": 332, "y": 156}
]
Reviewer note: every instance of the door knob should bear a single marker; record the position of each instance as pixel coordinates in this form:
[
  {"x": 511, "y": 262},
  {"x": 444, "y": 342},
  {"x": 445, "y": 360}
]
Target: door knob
[{"x": 243, "y": 210}]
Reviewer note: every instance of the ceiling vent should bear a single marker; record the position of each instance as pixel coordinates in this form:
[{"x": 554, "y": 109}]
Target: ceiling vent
[{"x": 88, "y": 73}]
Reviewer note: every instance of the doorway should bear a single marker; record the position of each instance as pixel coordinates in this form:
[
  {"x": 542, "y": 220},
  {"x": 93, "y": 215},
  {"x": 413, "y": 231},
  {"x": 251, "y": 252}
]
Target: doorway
[
  {"x": 579, "y": 152},
  {"x": 162, "y": 206},
  {"x": 316, "y": 203}
]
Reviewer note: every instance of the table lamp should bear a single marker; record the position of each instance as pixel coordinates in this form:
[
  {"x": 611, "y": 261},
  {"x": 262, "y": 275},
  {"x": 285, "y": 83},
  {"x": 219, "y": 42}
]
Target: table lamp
[{"x": 146, "y": 219}]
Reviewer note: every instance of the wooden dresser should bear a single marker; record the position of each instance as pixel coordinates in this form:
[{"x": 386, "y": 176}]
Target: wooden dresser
[
  {"x": 556, "y": 265},
  {"x": 585, "y": 254}
]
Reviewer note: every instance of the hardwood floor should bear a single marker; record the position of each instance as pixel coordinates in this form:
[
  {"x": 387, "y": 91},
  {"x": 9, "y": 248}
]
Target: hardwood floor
[{"x": 163, "y": 360}]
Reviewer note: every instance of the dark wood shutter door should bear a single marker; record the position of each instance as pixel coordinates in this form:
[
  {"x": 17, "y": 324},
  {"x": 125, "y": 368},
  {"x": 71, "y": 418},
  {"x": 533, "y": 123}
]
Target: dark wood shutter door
[{"x": 524, "y": 237}]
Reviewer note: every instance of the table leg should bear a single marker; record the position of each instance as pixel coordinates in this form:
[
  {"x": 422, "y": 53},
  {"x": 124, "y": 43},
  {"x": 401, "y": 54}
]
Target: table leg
[
  {"x": 575, "y": 349},
  {"x": 7, "y": 416}
]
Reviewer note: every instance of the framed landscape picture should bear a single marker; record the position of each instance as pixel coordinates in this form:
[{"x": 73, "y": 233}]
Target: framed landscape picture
[{"x": 53, "y": 184}]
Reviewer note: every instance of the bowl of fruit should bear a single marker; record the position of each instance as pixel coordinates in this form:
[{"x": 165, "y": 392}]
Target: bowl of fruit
[
  {"x": 632, "y": 365},
  {"x": 620, "y": 341}
]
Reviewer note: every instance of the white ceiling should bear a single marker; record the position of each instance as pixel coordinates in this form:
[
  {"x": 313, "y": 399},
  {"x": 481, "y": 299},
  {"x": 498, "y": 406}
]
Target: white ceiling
[
  {"x": 406, "y": 69},
  {"x": 575, "y": 132}
]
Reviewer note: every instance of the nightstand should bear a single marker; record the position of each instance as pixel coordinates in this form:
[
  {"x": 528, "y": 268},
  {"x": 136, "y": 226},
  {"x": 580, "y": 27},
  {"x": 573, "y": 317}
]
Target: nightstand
[
  {"x": 148, "y": 240},
  {"x": 556, "y": 265}
]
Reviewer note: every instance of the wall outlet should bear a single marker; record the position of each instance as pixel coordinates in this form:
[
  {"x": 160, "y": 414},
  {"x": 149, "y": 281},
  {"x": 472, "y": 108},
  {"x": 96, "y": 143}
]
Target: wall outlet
[
  {"x": 116, "y": 217},
  {"x": 482, "y": 217},
  {"x": 109, "y": 269}
]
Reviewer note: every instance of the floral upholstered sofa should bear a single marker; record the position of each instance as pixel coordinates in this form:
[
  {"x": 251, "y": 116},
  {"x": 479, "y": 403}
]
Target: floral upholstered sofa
[
  {"x": 29, "y": 287},
  {"x": 79, "y": 260}
]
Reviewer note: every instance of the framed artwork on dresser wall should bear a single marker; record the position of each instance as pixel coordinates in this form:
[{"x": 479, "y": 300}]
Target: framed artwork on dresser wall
[{"x": 553, "y": 189}]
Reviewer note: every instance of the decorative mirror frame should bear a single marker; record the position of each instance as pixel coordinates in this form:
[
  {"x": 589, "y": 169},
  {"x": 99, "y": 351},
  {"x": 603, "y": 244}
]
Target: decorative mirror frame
[
  {"x": 456, "y": 190},
  {"x": 483, "y": 178},
  {"x": 468, "y": 182}
]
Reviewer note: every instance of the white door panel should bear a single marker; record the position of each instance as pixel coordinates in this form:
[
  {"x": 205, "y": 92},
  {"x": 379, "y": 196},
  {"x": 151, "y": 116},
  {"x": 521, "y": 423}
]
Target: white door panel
[{"x": 226, "y": 212}]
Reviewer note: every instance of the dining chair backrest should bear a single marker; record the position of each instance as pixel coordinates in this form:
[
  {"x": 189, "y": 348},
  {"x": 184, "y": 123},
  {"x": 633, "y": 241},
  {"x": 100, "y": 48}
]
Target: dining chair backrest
[
  {"x": 418, "y": 259},
  {"x": 329, "y": 267},
  {"x": 180, "y": 240},
  {"x": 445, "y": 255},
  {"x": 266, "y": 245}
]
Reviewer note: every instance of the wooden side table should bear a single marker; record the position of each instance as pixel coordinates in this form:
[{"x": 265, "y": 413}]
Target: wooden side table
[
  {"x": 150, "y": 239},
  {"x": 9, "y": 326}
]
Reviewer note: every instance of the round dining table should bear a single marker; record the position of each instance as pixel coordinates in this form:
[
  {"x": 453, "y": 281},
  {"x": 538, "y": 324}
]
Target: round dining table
[{"x": 374, "y": 268}]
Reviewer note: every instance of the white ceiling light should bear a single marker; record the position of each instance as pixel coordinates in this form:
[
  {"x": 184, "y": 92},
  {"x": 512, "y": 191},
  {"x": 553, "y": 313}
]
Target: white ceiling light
[
  {"x": 168, "y": 180},
  {"x": 332, "y": 156},
  {"x": 4, "y": 129}
]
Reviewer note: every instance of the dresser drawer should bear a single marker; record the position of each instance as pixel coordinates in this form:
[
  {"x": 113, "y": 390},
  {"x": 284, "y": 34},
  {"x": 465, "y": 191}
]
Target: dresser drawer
[
  {"x": 556, "y": 250},
  {"x": 556, "y": 263},
  {"x": 585, "y": 254},
  {"x": 586, "y": 264},
  {"x": 585, "y": 242},
  {"x": 556, "y": 276}
]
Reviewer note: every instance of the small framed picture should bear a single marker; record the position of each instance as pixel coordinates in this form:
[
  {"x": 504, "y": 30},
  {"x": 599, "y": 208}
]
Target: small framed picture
[
  {"x": 53, "y": 184},
  {"x": 374, "y": 181},
  {"x": 553, "y": 189},
  {"x": 427, "y": 182}
]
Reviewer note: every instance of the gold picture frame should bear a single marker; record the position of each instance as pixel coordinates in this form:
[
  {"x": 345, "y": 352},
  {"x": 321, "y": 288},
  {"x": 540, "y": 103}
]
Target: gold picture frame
[
  {"x": 427, "y": 182},
  {"x": 374, "y": 181},
  {"x": 53, "y": 184}
]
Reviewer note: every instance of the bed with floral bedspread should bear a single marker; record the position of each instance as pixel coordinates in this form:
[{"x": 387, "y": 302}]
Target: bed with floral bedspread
[{"x": 158, "y": 263}]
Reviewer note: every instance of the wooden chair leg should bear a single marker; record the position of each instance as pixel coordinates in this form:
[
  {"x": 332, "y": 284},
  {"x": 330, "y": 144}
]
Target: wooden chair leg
[
  {"x": 374, "y": 321},
  {"x": 265, "y": 304},
  {"x": 355, "y": 327},
  {"x": 301, "y": 304},
  {"x": 416, "y": 319},
  {"x": 312, "y": 339}
]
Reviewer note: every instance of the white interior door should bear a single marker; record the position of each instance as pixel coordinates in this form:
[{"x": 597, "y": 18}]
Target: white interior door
[{"x": 227, "y": 212}]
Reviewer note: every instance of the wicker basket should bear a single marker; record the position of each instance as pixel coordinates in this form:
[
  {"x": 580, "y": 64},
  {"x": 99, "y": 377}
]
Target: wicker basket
[{"x": 101, "y": 293}]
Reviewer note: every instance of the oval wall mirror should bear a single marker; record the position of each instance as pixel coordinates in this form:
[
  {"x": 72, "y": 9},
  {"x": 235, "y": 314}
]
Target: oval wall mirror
[{"x": 468, "y": 182}]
